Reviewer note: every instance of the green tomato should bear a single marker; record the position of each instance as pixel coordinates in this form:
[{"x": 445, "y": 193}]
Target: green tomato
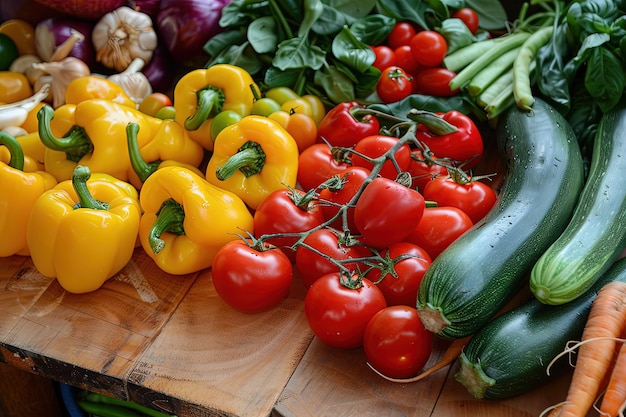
[
  {"x": 8, "y": 52},
  {"x": 166, "y": 113},
  {"x": 223, "y": 120},
  {"x": 265, "y": 106}
]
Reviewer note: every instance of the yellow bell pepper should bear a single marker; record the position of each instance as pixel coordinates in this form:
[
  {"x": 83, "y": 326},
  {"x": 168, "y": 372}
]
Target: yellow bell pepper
[
  {"x": 14, "y": 86},
  {"x": 161, "y": 152},
  {"x": 18, "y": 193},
  {"x": 94, "y": 134},
  {"x": 22, "y": 33},
  {"x": 83, "y": 231},
  {"x": 187, "y": 220},
  {"x": 34, "y": 152},
  {"x": 252, "y": 158},
  {"x": 93, "y": 86},
  {"x": 203, "y": 93}
]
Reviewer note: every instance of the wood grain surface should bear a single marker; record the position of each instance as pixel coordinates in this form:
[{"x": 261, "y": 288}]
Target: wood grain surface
[{"x": 171, "y": 343}]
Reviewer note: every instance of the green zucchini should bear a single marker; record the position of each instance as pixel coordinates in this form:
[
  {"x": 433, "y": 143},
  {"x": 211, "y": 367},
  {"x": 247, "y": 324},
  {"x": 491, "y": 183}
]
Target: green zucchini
[
  {"x": 596, "y": 234},
  {"x": 510, "y": 354},
  {"x": 481, "y": 271}
]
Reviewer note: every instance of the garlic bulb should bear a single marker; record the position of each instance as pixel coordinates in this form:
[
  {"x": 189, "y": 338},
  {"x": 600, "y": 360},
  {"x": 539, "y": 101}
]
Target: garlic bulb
[
  {"x": 134, "y": 82},
  {"x": 123, "y": 35},
  {"x": 62, "y": 73}
]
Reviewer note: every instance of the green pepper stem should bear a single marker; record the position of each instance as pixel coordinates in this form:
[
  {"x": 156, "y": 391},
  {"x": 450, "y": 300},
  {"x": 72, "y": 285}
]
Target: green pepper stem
[
  {"x": 76, "y": 142},
  {"x": 170, "y": 219},
  {"x": 435, "y": 123},
  {"x": 210, "y": 102},
  {"x": 142, "y": 168},
  {"x": 80, "y": 176},
  {"x": 16, "y": 160},
  {"x": 249, "y": 159}
]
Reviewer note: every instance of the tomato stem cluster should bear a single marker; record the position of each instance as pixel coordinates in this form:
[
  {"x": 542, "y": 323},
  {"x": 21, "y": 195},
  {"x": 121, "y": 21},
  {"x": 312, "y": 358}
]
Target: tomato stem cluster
[{"x": 404, "y": 130}]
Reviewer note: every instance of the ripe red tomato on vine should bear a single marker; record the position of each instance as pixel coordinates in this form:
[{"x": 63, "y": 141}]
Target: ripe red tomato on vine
[
  {"x": 394, "y": 84},
  {"x": 475, "y": 198},
  {"x": 250, "y": 279},
  {"x": 395, "y": 342},
  {"x": 338, "y": 309}
]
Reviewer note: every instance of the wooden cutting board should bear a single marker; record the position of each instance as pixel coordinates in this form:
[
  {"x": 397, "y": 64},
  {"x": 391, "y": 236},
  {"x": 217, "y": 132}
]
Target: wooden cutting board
[{"x": 171, "y": 343}]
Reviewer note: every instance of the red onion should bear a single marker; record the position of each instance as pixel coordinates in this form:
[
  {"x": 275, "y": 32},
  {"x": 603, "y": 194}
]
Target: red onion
[
  {"x": 160, "y": 71},
  {"x": 149, "y": 7},
  {"x": 83, "y": 9},
  {"x": 186, "y": 25},
  {"x": 51, "y": 32}
]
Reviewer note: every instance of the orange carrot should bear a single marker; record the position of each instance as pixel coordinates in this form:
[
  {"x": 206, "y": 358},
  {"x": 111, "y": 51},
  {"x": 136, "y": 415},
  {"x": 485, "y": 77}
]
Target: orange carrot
[
  {"x": 615, "y": 395},
  {"x": 605, "y": 324}
]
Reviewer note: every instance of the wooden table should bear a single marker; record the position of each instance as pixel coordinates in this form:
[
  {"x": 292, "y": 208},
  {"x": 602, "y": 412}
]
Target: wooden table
[{"x": 171, "y": 343}]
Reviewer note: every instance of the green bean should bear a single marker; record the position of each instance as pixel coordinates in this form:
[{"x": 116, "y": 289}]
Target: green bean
[
  {"x": 131, "y": 405},
  {"x": 505, "y": 81},
  {"x": 522, "y": 90},
  {"x": 500, "y": 46},
  {"x": 500, "y": 103},
  {"x": 487, "y": 76},
  {"x": 102, "y": 410},
  {"x": 461, "y": 58}
]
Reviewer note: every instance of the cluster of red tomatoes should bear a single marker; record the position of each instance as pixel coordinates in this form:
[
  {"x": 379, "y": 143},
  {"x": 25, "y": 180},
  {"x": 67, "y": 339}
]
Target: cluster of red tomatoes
[
  {"x": 361, "y": 232},
  {"x": 411, "y": 60}
]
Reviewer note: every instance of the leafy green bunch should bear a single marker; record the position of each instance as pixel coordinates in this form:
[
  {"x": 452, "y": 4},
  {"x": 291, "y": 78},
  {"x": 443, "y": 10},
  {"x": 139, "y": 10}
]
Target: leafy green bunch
[
  {"x": 320, "y": 47},
  {"x": 582, "y": 70},
  {"x": 588, "y": 50}
]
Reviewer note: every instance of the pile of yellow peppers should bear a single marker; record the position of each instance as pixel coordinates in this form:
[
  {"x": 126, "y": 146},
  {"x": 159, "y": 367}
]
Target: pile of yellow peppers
[{"x": 96, "y": 179}]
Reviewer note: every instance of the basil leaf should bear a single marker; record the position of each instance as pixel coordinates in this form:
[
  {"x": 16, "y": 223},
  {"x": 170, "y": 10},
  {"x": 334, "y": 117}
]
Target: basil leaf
[
  {"x": 354, "y": 8},
  {"x": 604, "y": 78},
  {"x": 298, "y": 53},
  {"x": 456, "y": 33},
  {"x": 491, "y": 13},
  {"x": 224, "y": 40},
  {"x": 409, "y": 10},
  {"x": 349, "y": 50},
  {"x": 262, "y": 35},
  {"x": 337, "y": 86},
  {"x": 373, "y": 29}
]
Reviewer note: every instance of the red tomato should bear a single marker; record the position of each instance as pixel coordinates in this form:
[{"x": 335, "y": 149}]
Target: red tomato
[
  {"x": 376, "y": 146},
  {"x": 469, "y": 17},
  {"x": 465, "y": 145},
  {"x": 316, "y": 164},
  {"x": 311, "y": 265},
  {"x": 396, "y": 343},
  {"x": 153, "y": 103},
  {"x": 394, "y": 84},
  {"x": 429, "y": 48},
  {"x": 422, "y": 170},
  {"x": 410, "y": 262},
  {"x": 401, "y": 34},
  {"x": 438, "y": 228},
  {"x": 475, "y": 198},
  {"x": 386, "y": 212},
  {"x": 250, "y": 280},
  {"x": 281, "y": 213},
  {"x": 339, "y": 312},
  {"x": 331, "y": 201},
  {"x": 385, "y": 57},
  {"x": 434, "y": 82},
  {"x": 406, "y": 60}
]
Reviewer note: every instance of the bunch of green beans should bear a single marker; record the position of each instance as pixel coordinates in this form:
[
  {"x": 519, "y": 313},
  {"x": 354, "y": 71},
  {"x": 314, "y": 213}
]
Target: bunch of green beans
[
  {"x": 496, "y": 73},
  {"x": 101, "y": 405}
]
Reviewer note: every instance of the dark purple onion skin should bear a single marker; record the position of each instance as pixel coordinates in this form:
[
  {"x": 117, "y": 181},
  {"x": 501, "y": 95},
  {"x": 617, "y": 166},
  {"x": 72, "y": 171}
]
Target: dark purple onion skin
[
  {"x": 61, "y": 30},
  {"x": 161, "y": 70},
  {"x": 149, "y": 7},
  {"x": 186, "y": 25}
]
